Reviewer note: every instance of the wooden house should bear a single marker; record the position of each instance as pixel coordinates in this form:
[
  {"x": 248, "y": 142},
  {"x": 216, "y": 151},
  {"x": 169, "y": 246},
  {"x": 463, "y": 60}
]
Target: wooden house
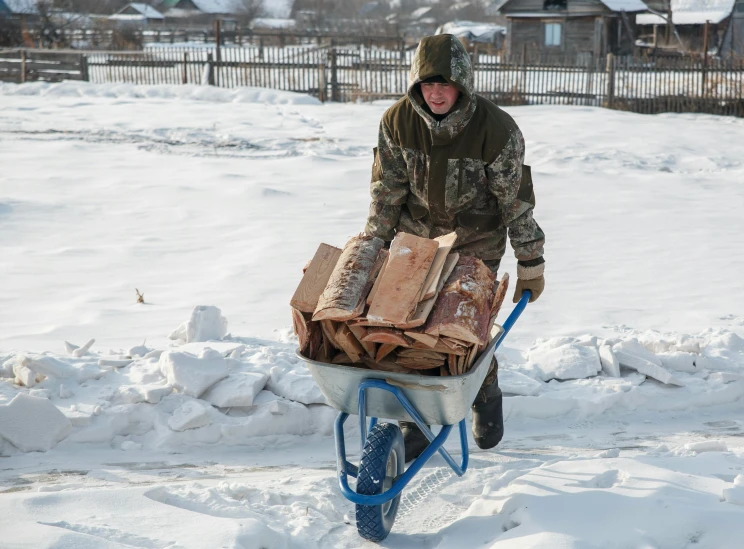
[
  {"x": 137, "y": 14},
  {"x": 733, "y": 37},
  {"x": 681, "y": 26},
  {"x": 566, "y": 27}
]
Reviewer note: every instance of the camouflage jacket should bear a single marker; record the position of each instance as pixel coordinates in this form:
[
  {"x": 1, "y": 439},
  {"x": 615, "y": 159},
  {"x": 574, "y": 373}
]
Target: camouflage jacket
[{"x": 462, "y": 173}]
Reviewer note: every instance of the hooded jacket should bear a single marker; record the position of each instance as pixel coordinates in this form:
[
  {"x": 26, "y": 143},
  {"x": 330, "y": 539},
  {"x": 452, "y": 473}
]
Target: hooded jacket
[{"x": 464, "y": 173}]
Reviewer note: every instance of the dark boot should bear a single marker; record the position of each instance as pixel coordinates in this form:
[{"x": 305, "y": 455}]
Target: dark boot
[
  {"x": 488, "y": 413},
  {"x": 413, "y": 439}
]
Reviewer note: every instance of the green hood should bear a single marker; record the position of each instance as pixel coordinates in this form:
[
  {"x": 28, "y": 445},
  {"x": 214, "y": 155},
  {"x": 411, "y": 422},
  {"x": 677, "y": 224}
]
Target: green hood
[{"x": 443, "y": 55}]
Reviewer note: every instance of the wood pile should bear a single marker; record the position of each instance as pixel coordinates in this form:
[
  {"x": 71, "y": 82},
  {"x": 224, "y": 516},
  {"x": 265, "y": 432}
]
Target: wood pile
[{"x": 418, "y": 306}]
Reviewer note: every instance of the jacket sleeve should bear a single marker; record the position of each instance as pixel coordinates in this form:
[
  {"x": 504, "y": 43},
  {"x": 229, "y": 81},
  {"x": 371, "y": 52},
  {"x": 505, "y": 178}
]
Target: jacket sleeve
[
  {"x": 510, "y": 181},
  {"x": 389, "y": 187}
]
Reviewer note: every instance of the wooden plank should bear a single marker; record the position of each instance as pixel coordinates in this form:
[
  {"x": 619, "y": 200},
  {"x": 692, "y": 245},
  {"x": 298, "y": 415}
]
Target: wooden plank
[
  {"x": 315, "y": 278},
  {"x": 386, "y": 366},
  {"x": 446, "y": 242},
  {"x": 329, "y": 331},
  {"x": 388, "y": 335},
  {"x": 376, "y": 285},
  {"x": 424, "y": 339},
  {"x": 424, "y": 308},
  {"x": 345, "y": 293},
  {"x": 349, "y": 344},
  {"x": 384, "y": 350},
  {"x": 397, "y": 296},
  {"x": 359, "y": 332}
]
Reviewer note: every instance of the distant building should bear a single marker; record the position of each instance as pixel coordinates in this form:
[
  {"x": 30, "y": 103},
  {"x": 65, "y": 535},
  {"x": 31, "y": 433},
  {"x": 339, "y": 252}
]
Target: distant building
[
  {"x": 472, "y": 32},
  {"x": 138, "y": 14},
  {"x": 685, "y": 30},
  {"x": 733, "y": 37},
  {"x": 18, "y": 7},
  {"x": 594, "y": 27}
]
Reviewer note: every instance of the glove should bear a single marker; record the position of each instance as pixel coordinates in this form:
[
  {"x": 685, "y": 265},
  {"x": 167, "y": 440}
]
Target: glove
[{"x": 535, "y": 285}]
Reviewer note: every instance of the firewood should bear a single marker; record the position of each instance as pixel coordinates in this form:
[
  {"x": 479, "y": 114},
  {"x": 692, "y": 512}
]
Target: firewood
[
  {"x": 386, "y": 366},
  {"x": 315, "y": 278},
  {"x": 423, "y": 309},
  {"x": 309, "y": 333},
  {"x": 341, "y": 358},
  {"x": 470, "y": 359},
  {"x": 440, "y": 347},
  {"x": 384, "y": 350},
  {"x": 418, "y": 363},
  {"x": 344, "y": 294},
  {"x": 463, "y": 306},
  {"x": 420, "y": 353},
  {"x": 498, "y": 300},
  {"x": 301, "y": 329},
  {"x": 425, "y": 339},
  {"x": 326, "y": 351},
  {"x": 409, "y": 263},
  {"x": 329, "y": 331},
  {"x": 367, "y": 323},
  {"x": 388, "y": 335},
  {"x": 359, "y": 333},
  {"x": 385, "y": 255},
  {"x": 349, "y": 344},
  {"x": 498, "y": 297},
  {"x": 444, "y": 371},
  {"x": 446, "y": 242},
  {"x": 456, "y": 346},
  {"x": 452, "y": 364}
]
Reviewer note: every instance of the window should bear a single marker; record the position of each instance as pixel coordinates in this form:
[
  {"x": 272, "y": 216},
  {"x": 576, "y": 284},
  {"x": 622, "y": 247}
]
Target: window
[
  {"x": 552, "y": 34},
  {"x": 554, "y": 4}
]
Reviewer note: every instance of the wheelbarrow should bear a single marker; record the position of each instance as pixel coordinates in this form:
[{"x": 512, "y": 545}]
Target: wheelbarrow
[{"x": 427, "y": 400}]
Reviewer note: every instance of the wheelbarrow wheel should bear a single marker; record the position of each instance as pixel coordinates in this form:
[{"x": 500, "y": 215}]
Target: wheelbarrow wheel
[{"x": 383, "y": 460}]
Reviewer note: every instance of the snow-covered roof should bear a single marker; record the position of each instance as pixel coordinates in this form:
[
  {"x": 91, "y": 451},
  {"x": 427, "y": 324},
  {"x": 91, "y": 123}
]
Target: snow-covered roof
[
  {"x": 23, "y": 7},
  {"x": 625, "y": 5},
  {"x": 272, "y": 23},
  {"x": 143, "y": 10},
  {"x": 473, "y": 31},
  {"x": 216, "y": 6},
  {"x": 691, "y": 12}
]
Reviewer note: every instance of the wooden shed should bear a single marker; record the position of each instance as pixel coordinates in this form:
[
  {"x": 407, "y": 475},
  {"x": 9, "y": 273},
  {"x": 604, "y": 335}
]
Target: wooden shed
[{"x": 567, "y": 27}]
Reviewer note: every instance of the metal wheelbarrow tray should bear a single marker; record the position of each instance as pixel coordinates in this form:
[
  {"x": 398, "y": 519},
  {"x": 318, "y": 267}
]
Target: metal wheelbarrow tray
[{"x": 425, "y": 400}]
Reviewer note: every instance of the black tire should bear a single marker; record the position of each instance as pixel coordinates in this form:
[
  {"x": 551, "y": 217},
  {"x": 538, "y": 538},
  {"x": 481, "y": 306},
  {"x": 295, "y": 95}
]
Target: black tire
[{"x": 383, "y": 458}]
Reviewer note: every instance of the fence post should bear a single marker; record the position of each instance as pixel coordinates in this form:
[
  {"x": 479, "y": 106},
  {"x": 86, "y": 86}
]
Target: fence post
[
  {"x": 23, "y": 66},
  {"x": 210, "y": 69},
  {"x": 322, "y": 82},
  {"x": 185, "y": 73},
  {"x": 218, "y": 50},
  {"x": 84, "y": 76},
  {"x": 610, "y": 80},
  {"x": 334, "y": 76},
  {"x": 704, "y": 74}
]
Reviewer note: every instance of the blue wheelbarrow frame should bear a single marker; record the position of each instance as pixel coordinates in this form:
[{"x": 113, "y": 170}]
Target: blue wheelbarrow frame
[{"x": 345, "y": 469}]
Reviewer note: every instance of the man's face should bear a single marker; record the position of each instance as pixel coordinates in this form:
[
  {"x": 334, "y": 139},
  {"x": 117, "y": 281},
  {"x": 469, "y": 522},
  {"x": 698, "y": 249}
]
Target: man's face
[{"x": 439, "y": 97}]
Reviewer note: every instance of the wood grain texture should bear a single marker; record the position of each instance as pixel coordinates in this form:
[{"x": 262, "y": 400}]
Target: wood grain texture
[
  {"x": 315, "y": 279},
  {"x": 424, "y": 308},
  {"x": 400, "y": 286},
  {"x": 429, "y": 289}
]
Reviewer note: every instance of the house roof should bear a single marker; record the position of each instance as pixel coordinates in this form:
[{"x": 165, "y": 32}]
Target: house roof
[
  {"x": 211, "y": 6},
  {"x": 691, "y": 12},
  {"x": 22, "y": 7},
  {"x": 143, "y": 10},
  {"x": 612, "y": 5},
  {"x": 625, "y": 5},
  {"x": 473, "y": 31}
]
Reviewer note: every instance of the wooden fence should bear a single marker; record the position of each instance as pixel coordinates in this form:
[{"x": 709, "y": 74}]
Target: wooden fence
[{"x": 644, "y": 85}]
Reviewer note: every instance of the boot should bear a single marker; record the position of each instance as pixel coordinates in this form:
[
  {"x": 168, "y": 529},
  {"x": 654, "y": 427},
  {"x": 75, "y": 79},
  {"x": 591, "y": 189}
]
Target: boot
[
  {"x": 413, "y": 439},
  {"x": 488, "y": 413}
]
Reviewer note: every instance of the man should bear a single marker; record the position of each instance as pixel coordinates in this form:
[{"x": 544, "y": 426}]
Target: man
[{"x": 447, "y": 160}]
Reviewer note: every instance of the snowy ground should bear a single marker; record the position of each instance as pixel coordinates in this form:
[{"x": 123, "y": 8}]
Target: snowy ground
[{"x": 198, "y": 196}]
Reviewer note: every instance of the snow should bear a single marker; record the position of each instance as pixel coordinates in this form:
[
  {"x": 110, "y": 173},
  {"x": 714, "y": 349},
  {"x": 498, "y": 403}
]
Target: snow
[
  {"x": 204, "y": 196},
  {"x": 691, "y": 12},
  {"x": 190, "y": 374},
  {"x": 32, "y": 424},
  {"x": 27, "y": 7},
  {"x": 472, "y": 30},
  {"x": 625, "y": 5},
  {"x": 205, "y": 323}
]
